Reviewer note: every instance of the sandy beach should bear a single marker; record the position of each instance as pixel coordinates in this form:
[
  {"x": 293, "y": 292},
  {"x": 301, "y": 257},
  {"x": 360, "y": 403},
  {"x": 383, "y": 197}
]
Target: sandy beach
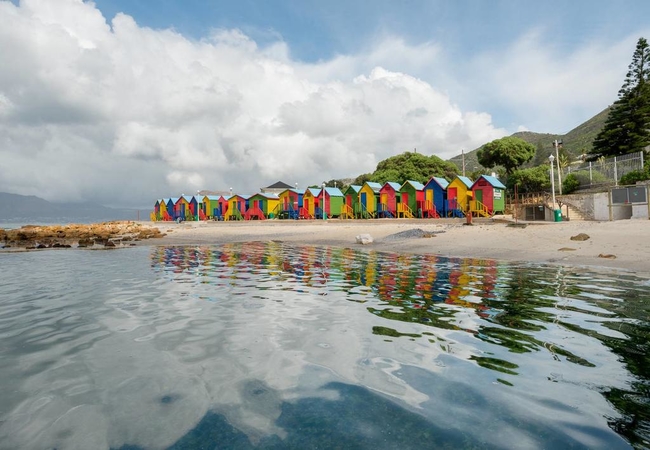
[{"x": 622, "y": 245}]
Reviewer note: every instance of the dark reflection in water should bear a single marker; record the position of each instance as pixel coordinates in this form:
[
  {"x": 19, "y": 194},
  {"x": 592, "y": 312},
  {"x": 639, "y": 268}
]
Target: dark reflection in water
[{"x": 520, "y": 323}]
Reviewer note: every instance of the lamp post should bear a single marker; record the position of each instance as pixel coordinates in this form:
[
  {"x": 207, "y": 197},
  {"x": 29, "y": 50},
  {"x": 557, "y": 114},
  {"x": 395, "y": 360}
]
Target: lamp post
[
  {"x": 323, "y": 208},
  {"x": 551, "y": 158},
  {"x": 198, "y": 205}
]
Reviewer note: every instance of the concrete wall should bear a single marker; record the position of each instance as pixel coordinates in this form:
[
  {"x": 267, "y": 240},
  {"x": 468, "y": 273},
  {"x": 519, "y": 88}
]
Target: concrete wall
[{"x": 596, "y": 207}]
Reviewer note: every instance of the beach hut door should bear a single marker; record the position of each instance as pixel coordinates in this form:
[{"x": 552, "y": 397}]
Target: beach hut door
[
  {"x": 363, "y": 199},
  {"x": 479, "y": 195}
]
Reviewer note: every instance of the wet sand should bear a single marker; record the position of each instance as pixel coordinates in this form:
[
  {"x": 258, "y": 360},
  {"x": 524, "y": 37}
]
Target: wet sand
[{"x": 621, "y": 245}]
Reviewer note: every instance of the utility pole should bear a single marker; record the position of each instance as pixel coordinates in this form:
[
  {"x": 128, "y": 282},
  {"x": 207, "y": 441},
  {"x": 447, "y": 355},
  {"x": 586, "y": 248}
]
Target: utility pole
[
  {"x": 462, "y": 152},
  {"x": 557, "y": 144}
]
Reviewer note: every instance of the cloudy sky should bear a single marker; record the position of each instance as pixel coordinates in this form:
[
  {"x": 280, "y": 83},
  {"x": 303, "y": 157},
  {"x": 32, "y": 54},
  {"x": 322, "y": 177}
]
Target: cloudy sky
[{"x": 127, "y": 101}]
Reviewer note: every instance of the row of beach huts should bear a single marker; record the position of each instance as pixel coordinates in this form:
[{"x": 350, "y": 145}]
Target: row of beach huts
[{"x": 437, "y": 198}]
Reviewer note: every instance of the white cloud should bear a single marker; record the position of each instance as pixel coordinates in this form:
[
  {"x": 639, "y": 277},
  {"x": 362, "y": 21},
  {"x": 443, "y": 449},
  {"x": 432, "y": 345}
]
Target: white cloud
[{"x": 123, "y": 114}]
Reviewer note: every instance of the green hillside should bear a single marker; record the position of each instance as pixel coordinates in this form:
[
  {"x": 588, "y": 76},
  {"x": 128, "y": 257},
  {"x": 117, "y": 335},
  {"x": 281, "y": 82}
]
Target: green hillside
[{"x": 574, "y": 143}]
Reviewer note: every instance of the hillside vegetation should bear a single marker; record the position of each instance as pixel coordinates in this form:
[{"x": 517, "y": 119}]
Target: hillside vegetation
[{"x": 575, "y": 143}]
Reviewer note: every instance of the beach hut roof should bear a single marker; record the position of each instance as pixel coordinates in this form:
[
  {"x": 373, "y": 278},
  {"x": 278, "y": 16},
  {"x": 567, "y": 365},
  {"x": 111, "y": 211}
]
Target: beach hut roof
[
  {"x": 174, "y": 200},
  {"x": 494, "y": 181},
  {"x": 212, "y": 197},
  {"x": 315, "y": 192},
  {"x": 395, "y": 186},
  {"x": 374, "y": 186},
  {"x": 333, "y": 192},
  {"x": 440, "y": 181},
  {"x": 416, "y": 184},
  {"x": 268, "y": 195},
  {"x": 466, "y": 181},
  {"x": 355, "y": 187}
]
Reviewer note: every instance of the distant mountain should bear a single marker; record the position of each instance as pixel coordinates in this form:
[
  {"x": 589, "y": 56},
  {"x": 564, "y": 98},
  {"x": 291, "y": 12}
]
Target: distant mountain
[
  {"x": 574, "y": 143},
  {"x": 16, "y": 208}
]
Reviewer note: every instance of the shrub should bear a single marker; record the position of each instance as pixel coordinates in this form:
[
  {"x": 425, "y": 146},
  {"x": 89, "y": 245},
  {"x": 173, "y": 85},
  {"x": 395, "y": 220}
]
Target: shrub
[
  {"x": 634, "y": 176},
  {"x": 570, "y": 184}
]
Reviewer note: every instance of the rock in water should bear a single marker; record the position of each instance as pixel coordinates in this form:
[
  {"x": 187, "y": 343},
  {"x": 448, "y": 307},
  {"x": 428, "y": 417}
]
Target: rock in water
[
  {"x": 580, "y": 237},
  {"x": 364, "y": 239}
]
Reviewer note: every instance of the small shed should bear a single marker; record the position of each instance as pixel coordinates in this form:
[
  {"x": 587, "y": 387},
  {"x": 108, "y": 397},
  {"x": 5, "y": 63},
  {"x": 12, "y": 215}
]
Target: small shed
[
  {"x": 334, "y": 201},
  {"x": 236, "y": 207},
  {"x": 261, "y": 205},
  {"x": 210, "y": 206},
  {"x": 389, "y": 197},
  {"x": 182, "y": 208},
  {"x": 171, "y": 207},
  {"x": 311, "y": 201},
  {"x": 435, "y": 193},
  {"x": 351, "y": 201},
  {"x": 489, "y": 192},
  {"x": 368, "y": 199},
  {"x": 291, "y": 200},
  {"x": 457, "y": 196},
  {"x": 223, "y": 206},
  {"x": 412, "y": 193}
]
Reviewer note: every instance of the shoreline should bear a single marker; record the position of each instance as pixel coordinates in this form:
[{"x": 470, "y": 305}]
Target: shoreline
[{"x": 621, "y": 245}]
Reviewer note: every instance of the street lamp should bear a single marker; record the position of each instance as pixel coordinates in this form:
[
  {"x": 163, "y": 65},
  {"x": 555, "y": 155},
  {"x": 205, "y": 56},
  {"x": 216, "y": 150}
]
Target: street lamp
[
  {"x": 551, "y": 158},
  {"x": 323, "y": 208},
  {"x": 197, "y": 204}
]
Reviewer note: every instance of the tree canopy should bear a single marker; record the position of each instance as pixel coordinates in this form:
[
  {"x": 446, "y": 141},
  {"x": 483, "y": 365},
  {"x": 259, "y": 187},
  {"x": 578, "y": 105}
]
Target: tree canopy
[
  {"x": 627, "y": 128},
  {"x": 509, "y": 152},
  {"x": 410, "y": 166}
]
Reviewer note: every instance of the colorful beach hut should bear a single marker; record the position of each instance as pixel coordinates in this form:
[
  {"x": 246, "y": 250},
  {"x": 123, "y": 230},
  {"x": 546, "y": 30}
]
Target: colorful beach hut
[
  {"x": 171, "y": 207},
  {"x": 351, "y": 201},
  {"x": 457, "y": 196},
  {"x": 389, "y": 197},
  {"x": 223, "y": 207},
  {"x": 290, "y": 203},
  {"x": 236, "y": 207},
  {"x": 412, "y": 193},
  {"x": 261, "y": 206},
  {"x": 334, "y": 201},
  {"x": 311, "y": 203},
  {"x": 435, "y": 195},
  {"x": 210, "y": 206},
  {"x": 196, "y": 207},
  {"x": 182, "y": 208},
  {"x": 489, "y": 196},
  {"x": 368, "y": 199}
]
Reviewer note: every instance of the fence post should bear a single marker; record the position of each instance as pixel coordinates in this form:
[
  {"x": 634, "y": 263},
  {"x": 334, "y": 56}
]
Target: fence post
[
  {"x": 591, "y": 180},
  {"x": 615, "y": 173}
]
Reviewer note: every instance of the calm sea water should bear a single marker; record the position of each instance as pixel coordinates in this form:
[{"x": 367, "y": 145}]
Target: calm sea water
[{"x": 267, "y": 345}]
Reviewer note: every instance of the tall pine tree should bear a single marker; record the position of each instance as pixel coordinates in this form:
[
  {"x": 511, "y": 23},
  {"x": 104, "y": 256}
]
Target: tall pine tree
[{"x": 627, "y": 128}]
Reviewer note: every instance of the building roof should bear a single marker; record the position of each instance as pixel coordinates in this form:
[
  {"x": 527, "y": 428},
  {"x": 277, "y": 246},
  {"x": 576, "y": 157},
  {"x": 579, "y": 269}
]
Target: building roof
[
  {"x": 466, "y": 181},
  {"x": 354, "y": 187},
  {"x": 268, "y": 195},
  {"x": 440, "y": 181},
  {"x": 279, "y": 185},
  {"x": 333, "y": 192},
  {"x": 416, "y": 184},
  {"x": 374, "y": 186},
  {"x": 395, "y": 186},
  {"x": 494, "y": 181}
]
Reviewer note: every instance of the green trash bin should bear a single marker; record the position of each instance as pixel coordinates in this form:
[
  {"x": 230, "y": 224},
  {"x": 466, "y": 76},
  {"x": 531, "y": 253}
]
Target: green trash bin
[{"x": 558, "y": 215}]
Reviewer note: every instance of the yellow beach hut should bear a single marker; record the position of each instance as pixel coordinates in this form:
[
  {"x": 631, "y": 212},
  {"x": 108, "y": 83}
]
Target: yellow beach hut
[
  {"x": 368, "y": 199},
  {"x": 457, "y": 196}
]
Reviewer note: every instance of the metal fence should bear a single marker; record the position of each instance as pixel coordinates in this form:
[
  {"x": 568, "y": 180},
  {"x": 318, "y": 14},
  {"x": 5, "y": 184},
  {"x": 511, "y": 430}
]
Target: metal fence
[{"x": 605, "y": 171}]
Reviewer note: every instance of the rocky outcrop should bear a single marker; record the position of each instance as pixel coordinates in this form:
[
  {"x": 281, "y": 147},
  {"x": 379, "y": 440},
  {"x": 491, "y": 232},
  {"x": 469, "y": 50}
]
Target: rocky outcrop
[{"x": 107, "y": 234}]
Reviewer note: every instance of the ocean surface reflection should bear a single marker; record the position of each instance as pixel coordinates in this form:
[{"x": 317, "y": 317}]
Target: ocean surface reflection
[{"x": 269, "y": 345}]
